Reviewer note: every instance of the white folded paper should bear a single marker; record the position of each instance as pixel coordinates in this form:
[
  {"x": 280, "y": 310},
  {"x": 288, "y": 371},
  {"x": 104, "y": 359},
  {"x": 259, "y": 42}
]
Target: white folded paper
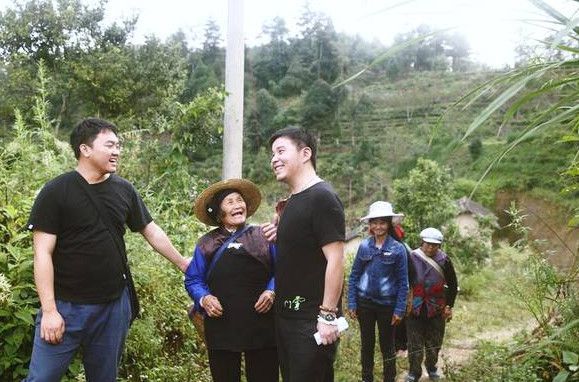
[{"x": 342, "y": 325}]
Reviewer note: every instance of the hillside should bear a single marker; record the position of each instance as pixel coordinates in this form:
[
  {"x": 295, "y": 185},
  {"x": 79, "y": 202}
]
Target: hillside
[{"x": 417, "y": 117}]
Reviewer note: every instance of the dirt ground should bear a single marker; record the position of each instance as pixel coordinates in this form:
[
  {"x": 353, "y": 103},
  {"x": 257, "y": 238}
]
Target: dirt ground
[{"x": 457, "y": 352}]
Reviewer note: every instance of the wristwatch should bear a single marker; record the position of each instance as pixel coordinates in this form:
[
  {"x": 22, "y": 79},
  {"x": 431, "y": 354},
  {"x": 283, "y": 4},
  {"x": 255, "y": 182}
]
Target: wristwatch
[{"x": 328, "y": 316}]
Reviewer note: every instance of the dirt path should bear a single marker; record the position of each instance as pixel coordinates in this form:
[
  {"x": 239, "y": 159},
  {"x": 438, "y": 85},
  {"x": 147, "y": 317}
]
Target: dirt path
[{"x": 456, "y": 352}]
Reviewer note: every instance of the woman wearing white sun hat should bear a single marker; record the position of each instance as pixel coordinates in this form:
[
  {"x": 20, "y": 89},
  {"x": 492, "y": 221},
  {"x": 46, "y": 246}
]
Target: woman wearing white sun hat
[{"x": 377, "y": 289}]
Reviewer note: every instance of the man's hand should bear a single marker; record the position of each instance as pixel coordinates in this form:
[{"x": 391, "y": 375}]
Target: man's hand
[
  {"x": 265, "y": 301},
  {"x": 270, "y": 229},
  {"x": 212, "y": 306},
  {"x": 328, "y": 333},
  {"x": 52, "y": 327}
]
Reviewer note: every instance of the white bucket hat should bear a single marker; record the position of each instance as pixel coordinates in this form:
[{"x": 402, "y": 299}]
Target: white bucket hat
[
  {"x": 379, "y": 209},
  {"x": 431, "y": 235}
]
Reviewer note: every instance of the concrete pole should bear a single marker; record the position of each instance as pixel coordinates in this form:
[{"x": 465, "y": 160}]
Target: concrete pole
[{"x": 233, "y": 120}]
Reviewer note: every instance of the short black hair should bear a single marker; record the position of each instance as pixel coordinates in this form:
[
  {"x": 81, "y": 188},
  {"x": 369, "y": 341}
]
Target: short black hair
[
  {"x": 86, "y": 131},
  {"x": 300, "y": 137}
]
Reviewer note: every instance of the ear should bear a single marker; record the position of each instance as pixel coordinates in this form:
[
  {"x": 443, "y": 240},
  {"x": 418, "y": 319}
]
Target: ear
[
  {"x": 306, "y": 153},
  {"x": 84, "y": 150}
]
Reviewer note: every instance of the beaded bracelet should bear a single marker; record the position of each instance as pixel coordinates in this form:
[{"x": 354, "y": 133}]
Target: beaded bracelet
[{"x": 326, "y": 309}]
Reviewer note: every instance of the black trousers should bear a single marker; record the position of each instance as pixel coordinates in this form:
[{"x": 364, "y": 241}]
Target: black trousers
[
  {"x": 368, "y": 319},
  {"x": 400, "y": 338},
  {"x": 425, "y": 337},
  {"x": 301, "y": 359},
  {"x": 261, "y": 365}
]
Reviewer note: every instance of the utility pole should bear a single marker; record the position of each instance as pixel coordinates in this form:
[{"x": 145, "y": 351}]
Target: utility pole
[{"x": 234, "y": 72}]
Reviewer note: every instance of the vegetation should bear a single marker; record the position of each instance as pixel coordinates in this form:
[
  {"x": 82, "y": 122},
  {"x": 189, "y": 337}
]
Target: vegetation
[{"x": 392, "y": 122}]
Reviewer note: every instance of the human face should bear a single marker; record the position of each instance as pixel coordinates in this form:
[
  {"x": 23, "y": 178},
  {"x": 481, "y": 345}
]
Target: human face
[
  {"x": 378, "y": 227},
  {"x": 103, "y": 154},
  {"x": 287, "y": 159},
  {"x": 233, "y": 211},
  {"x": 430, "y": 249}
]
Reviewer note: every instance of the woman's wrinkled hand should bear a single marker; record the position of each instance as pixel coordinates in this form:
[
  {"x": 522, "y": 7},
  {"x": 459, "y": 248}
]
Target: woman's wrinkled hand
[
  {"x": 352, "y": 314},
  {"x": 396, "y": 320},
  {"x": 447, "y": 313},
  {"x": 212, "y": 306},
  {"x": 265, "y": 301}
]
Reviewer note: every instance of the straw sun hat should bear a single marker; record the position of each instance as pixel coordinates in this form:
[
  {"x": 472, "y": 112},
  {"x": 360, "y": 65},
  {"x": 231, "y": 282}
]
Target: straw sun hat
[{"x": 247, "y": 189}]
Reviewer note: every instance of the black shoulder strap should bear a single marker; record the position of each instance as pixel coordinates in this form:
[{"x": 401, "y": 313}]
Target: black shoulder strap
[
  {"x": 234, "y": 236},
  {"x": 104, "y": 216}
]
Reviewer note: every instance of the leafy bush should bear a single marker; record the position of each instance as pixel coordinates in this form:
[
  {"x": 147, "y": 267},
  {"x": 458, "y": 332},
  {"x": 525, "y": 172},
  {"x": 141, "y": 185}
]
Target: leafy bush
[
  {"x": 28, "y": 149},
  {"x": 426, "y": 197},
  {"x": 163, "y": 344}
]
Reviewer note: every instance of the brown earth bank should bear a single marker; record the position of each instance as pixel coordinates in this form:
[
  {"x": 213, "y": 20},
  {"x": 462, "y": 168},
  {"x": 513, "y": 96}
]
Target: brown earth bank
[{"x": 547, "y": 223}]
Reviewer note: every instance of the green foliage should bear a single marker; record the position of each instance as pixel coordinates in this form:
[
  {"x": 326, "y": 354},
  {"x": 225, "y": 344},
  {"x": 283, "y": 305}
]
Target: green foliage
[
  {"x": 547, "y": 89},
  {"x": 261, "y": 120},
  {"x": 199, "y": 124},
  {"x": 161, "y": 346},
  {"x": 469, "y": 250},
  {"x": 492, "y": 363},
  {"x": 485, "y": 194},
  {"x": 27, "y": 149},
  {"x": 475, "y": 148},
  {"x": 319, "y": 107},
  {"x": 426, "y": 197}
]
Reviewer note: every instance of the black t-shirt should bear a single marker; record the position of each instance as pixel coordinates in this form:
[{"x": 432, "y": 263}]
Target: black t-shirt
[
  {"x": 87, "y": 266},
  {"x": 310, "y": 220}
]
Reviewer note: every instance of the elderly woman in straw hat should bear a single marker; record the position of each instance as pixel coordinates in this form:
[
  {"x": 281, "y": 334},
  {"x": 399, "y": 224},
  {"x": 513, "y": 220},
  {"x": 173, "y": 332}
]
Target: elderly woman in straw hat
[
  {"x": 231, "y": 282},
  {"x": 377, "y": 289}
]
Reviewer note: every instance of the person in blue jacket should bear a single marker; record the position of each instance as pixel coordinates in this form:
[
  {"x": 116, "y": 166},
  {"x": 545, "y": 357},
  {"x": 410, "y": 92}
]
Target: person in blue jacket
[
  {"x": 377, "y": 289},
  {"x": 231, "y": 282}
]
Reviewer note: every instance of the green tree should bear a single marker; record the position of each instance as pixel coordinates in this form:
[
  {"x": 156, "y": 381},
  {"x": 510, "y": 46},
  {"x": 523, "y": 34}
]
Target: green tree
[
  {"x": 319, "y": 107},
  {"x": 61, "y": 35},
  {"x": 261, "y": 119},
  {"x": 317, "y": 48},
  {"x": 425, "y": 196},
  {"x": 212, "y": 54},
  {"x": 271, "y": 60},
  {"x": 200, "y": 78}
]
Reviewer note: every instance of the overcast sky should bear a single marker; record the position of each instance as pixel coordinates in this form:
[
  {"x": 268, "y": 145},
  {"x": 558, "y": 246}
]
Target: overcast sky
[{"x": 492, "y": 27}]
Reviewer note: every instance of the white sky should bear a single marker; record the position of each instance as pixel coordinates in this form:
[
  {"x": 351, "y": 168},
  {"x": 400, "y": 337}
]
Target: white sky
[{"x": 492, "y": 27}]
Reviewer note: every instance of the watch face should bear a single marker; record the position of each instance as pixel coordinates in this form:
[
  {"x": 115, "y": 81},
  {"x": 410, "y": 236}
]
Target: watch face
[{"x": 329, "y": 316}]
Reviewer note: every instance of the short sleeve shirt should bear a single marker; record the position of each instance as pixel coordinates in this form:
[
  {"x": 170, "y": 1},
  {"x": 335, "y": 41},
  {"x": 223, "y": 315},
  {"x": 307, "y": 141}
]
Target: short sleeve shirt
[
  {"x": 310, "y": 220},
  {"x": 87, "y": 266}
]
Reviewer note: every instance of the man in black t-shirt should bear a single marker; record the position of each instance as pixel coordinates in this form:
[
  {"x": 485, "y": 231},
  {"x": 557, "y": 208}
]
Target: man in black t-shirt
[
  {"x": 310, "y": 262},
  {"x": 78, "y": 269}
]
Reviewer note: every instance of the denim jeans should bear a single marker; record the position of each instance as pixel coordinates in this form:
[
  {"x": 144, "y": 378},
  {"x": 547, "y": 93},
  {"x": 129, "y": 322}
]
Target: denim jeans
[{"x": 99, "y": 329}]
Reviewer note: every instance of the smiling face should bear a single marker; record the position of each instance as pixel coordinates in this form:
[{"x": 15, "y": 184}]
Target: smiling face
[
  {"x": 233, "y": 211},
  {"x": 287, "y": 159},
  {"x": 378, "y": 227},
  {"x": 103, "y": 154}
]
